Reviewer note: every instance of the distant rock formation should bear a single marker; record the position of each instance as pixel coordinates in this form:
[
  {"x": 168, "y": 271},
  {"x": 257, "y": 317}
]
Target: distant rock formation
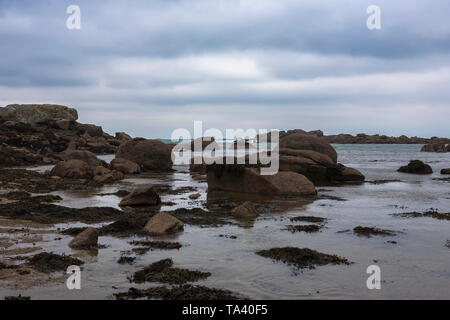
[
  {"x": 436, "y": 147},
  {"x": 362, "y": 138}
]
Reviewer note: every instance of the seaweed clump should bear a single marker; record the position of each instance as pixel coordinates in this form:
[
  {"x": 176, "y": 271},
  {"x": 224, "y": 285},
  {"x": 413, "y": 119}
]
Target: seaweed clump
[
  {"x": 302, "y": 258},
  {"x": 151, "y": 245},
  {"x": 49, "y": 262},
  {"x": 369, "y": 231},
  {"x": 310, "y": 228},
  {"x": 431, "y": 213},
  {"x": 308, "y": 219},
  {"x": 19, "y": 297},
  {"x": 125, "y": 259},
  {"x": 162, "y": 271},
  {"x": 184, "y": 292}
]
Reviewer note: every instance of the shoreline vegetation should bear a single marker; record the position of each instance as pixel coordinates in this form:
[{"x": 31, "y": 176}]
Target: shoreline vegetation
[{"x": 32, "y": 135}]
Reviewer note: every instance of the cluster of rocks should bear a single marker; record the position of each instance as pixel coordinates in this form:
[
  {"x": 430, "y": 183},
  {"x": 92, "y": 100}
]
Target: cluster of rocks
[
  {"x": 305, "y": 160},
  {"x": 37, "y": 134},
  {"x": 82, "y": 164},
  {"x": 159, "y": 224},
  {"x": 314, "y": 158}
]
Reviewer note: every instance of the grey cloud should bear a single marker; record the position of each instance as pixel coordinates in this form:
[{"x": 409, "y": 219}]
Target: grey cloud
[{"x": 290, "y": 63}]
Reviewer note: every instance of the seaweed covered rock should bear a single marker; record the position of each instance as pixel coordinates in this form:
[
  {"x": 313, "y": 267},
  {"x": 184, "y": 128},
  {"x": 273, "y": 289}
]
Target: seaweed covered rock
[
  {"x": 445, "y": 171},
  {"x": 149, "y": 154},
  {"x": 416, "y": 167}
]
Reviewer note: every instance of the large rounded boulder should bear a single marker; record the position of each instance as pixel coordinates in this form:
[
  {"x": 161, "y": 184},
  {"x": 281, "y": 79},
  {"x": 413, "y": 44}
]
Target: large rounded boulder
[
  {"x": 75, "y": 169},
  {"x": 299, "y": 141},
  {"x": 237, "y": 178},
  {"x": 149, "y": 154},
  {"x": 416, "y": 167}
]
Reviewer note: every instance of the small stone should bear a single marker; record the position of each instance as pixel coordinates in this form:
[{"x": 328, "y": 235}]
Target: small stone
[
  {"x": 163, "y": 223},
  {"x": 245, "y": 211},
  {"x": 87, "y": 239},
  {"x": 194, "y": 196}
]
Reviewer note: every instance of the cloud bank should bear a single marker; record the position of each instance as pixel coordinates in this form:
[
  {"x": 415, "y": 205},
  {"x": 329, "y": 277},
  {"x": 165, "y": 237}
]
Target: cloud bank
[{"x": 149, "y": 67}]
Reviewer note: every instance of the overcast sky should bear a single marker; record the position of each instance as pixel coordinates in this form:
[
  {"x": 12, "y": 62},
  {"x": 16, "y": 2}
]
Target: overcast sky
[{"x": 149, "y": 67}]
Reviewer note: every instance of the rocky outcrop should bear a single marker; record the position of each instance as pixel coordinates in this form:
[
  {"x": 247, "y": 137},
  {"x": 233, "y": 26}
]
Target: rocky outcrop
[
  {"x": 436, "y": 147},
  {"x": 35, "y": 113},
  {"x": 149, "y": 154},
  {"x": 50, "y": 138},
  {"x": 238, "y": 178},
  {"x": 163, "y": 223},
  {"x": 75, "y": 169},
  {"x": 314, "y": 158},
  {"x": 125, "y": 166},
  {"x": 245, "y": 211},
  {"x": 416, "y": 167},
  {"x": 87, "y": 239},
  {"x": 445, "y": 171},
  {"x": 142, "y": 196}
]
